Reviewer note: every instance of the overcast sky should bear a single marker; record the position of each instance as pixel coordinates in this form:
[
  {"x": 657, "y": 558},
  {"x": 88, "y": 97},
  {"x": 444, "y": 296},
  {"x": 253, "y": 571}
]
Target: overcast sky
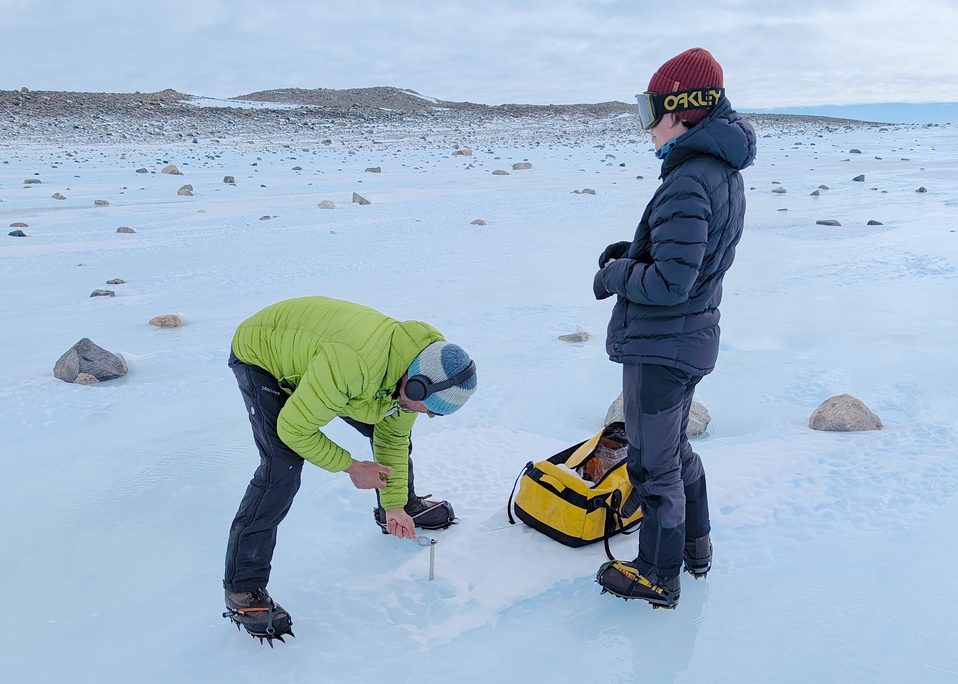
[{"x": 775, "y": 53}]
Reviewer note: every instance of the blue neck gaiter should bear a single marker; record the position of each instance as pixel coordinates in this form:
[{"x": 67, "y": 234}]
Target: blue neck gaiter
[{"x": 664, "y": 150}]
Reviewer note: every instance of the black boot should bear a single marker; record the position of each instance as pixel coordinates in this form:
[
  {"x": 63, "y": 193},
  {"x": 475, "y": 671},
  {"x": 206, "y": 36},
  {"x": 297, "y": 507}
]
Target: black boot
[
  {"x": 259, "y": 614},
  {"x": 625, "y": 581},
  {"x": 425, "y": 513},
  {"x": 698, "y": 556}
]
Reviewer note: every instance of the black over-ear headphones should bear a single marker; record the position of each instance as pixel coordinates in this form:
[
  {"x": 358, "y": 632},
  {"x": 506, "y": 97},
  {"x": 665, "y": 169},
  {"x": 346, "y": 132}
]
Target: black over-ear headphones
[{"x": 418, "y": 387}]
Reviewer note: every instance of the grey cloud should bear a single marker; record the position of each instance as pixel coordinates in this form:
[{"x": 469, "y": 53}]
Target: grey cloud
[{"x": 773, "y": 53}]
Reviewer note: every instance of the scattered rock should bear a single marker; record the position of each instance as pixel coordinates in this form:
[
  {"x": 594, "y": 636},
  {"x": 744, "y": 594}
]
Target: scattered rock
[
  {"x": 875, "y": 223},
  {"x": 32, "y": 181},
  {"x": 101, "y": 203},
  {"x": 374, "y": 169},
  {"x": 859, "y": 179},
  {"x": 500, "y": 172},
  {"x": 167, "y": 321},
  {"x": 17, "y": 233},
  {"x": 828, "y": 222},
  {"x": 521, "y": 166},
  {"x": 815, "y": 193},
  {"x": 87, "y": 363},
  {"x": 58, "y": 196},
  {"x": 699, "y": 417},
  {"x": 854, "y": 151},
  {"x": 823, "y": 187},
  {"x": 296, "y": 168},
  {"x": 186, "y": 190},
  {"x": 125, "y": 229},
  {"x": 844, "y": 413},
  {"x": 142, "y": 169},
  {"x": 103, "y": 293},
  {"x": 780, "y": 190},
  {"x": 478, "y": 222},
  {"x": 579, "y": 335},
  {"x": 115, "y": 281},
  {"x": 172, "y": 170},
  {"x": 229, "y": 180},
  {"x": 265, "y": 217},
  {"x": 359, "y": 199},
  {"x": 327, "y": 204},
  {"x": 464, "y": 152},
  {"x": 922, "y": 189},
  {"x": 327, "y": 141},
  {"x": 19, "y": 224}
]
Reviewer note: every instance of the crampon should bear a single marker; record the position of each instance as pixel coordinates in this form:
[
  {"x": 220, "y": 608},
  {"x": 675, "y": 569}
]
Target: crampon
[
  {"x": 426, "y": 514},
  {"x": 263, "y": 618},
  {"x": 623, "y": 579}
]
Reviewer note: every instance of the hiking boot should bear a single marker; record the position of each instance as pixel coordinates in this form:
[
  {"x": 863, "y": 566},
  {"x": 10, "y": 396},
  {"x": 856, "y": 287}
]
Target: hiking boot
[
  {"x": 625, "y": 581},
  {"x": 425, "y": 513},
  {"x": 698, "y": 556},
  {"x": 259, "y": 614}
]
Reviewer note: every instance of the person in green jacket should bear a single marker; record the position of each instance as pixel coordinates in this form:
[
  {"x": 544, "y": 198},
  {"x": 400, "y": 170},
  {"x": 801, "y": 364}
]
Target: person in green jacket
[{"x": 301, "y": 363}]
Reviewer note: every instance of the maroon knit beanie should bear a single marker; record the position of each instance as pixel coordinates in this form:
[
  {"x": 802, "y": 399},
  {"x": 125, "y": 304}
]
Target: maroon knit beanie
[{"x": 694, "y": 68}]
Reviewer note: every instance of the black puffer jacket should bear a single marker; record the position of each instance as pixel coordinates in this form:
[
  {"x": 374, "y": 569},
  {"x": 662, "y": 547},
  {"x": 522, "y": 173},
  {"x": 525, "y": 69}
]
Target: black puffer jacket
[{"x": 669, "y": 284}]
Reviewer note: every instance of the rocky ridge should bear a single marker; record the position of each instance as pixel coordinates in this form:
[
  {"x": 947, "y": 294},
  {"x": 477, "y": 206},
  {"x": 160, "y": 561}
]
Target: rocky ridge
[{"x": 298, "y": 113}]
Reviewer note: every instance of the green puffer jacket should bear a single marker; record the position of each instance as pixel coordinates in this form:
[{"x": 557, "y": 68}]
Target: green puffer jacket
[{"x": 336, "y": 358}]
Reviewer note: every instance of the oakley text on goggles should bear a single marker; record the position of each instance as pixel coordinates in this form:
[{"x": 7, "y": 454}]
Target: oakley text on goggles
[{"x": 652, "y": 107}]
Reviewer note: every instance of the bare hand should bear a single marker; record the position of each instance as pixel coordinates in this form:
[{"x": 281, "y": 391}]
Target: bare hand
[
  {"x": 399, "y": 523},
  {"x": 368, "y": 474}
]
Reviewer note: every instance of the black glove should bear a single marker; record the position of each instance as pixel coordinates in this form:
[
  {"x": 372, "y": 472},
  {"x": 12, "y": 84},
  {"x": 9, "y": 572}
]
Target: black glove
[
  {"x": 598, "y": 286},
  {"x": 616, "y": 250}
]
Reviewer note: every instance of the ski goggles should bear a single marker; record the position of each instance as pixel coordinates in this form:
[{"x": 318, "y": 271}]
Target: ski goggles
[{"x": 652, "y": 107}]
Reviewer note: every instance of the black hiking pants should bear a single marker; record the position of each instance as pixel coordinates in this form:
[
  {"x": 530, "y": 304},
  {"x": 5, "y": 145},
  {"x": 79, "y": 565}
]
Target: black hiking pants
[
  {"x": 275, "y": 482},
  {"x": 662, "y": 466}
]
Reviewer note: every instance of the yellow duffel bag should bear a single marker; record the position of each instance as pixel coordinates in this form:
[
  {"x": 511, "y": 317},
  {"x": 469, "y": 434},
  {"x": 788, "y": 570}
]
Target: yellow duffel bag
[{"x": 576, "y": 496}]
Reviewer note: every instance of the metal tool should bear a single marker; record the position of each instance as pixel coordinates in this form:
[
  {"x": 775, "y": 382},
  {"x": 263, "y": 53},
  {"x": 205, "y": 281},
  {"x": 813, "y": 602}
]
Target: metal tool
[{"x": 423, "y": 540}]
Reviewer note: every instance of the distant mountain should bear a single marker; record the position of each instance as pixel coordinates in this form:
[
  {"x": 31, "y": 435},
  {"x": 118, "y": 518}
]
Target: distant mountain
[{"x": 409, "y": 101}]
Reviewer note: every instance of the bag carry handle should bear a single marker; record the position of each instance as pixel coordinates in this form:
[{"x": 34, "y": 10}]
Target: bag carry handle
[
  {"x": 525, "y": 469},
  {"x": 611, "y": 517},
  {"x": 613, "y": 521}
]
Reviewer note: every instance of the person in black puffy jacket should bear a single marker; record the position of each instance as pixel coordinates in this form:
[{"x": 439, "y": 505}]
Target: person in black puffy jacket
[{"x": 664, "y": 328}]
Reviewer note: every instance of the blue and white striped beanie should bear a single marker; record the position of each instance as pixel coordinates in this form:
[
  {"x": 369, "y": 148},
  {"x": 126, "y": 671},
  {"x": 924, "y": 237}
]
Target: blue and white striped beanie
[{"x": 440, "y": 361}]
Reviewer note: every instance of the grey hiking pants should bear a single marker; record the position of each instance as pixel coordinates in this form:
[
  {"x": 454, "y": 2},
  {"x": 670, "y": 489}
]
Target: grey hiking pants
[
  {"x": 662, "y": 466},
  {"x": 269, "y": 496}
]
